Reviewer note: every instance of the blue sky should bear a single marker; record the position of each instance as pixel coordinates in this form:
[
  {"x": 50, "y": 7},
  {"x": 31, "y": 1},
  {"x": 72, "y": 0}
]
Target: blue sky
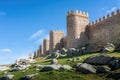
[{"x": 25, "y": 23}]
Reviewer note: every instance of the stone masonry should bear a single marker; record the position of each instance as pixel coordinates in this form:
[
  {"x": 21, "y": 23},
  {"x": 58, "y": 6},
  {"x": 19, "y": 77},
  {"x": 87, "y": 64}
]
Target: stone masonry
[
  {"x": 104, "y": 30},
  {"x": 76, "y": 26},
  {"x": 56, "y": 40},
  {"x": 81, "y": 33},
  {"x": 41, "y": 50},
  {"x": 46, "y": 46},
  {"x": 35, "y": 55}
]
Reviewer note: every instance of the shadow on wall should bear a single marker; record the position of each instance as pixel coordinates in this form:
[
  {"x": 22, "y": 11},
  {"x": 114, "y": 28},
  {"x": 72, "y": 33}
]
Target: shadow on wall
[
  {"x": 60, "y": 45},
  {"x": 107, "y": 34},
  {"x": 84, "y": 38}
]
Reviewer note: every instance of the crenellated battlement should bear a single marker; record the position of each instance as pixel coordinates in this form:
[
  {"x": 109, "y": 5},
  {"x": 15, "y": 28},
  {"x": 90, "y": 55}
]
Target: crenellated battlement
[
  {"x": 104, "y": 18},
  {"x": 46, "y": 39},
  {"x": 78, "y": 35},
  {"x": 46, "y": 46},
  {"x": 57, "y": 31},
  {"x": 55, "y": 39},
  {"x": 77, "y": 13}
]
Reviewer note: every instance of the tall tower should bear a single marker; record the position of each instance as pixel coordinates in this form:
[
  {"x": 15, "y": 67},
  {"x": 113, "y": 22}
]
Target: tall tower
[
  {"x": 35, "y": 54},
  {"x": 46, "y": 46},
  {"x": 41, "y": 50},
  {"x": 56, "y": 41},
  {"x": 76, "y": 25}
]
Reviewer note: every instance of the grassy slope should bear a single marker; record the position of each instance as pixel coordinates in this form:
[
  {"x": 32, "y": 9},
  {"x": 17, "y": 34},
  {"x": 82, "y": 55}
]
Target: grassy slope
[{"x": 63, "y": 75}]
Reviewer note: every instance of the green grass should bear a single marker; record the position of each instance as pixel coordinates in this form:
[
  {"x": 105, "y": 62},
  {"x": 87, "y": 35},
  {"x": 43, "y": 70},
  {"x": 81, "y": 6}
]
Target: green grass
[
  {"x": 58, "y": 75},
  {"x": 83, "y": 57},
  {"x": 1, "y": 74},
  {"x": 63, "y": 61},
  {"x": 63, "y": 75},
  {"x": 114, "y": 54}
]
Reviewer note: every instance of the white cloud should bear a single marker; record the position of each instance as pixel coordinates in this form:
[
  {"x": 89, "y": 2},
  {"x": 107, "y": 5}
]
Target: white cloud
[
  {"x": 37, "y": 34},
  {"x": 42, "y": 38},
  {"x": 2, "y": 13},
  {"x": 6, "y": 50},
  {"x": 111, "y": 10},
  {"x": 114, "y": 8}
]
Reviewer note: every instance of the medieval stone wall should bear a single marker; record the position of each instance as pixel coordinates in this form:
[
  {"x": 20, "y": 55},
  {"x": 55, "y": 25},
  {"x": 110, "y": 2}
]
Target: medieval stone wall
[
  {"x": 38, "y": 53},
  {"x": 64, "y": 41},
  {"x": 35, "y": 55},
  {"x": 80, "y": 33},
  {"x": 41, "y": 50},
  {"x": 76, "y": 24},
  {"x": 46, "y": 46},
  {"x": 56, "y": 40},
  {"x": 105, "y": 30}
]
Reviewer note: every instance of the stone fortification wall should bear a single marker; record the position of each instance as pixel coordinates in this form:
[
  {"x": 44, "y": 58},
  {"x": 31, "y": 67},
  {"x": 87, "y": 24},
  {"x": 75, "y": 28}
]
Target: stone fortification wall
[
  {"x": 56, "y": 40},
  {"x": 80, "y": 33},
  {"x": 76, "y": 25},
  {"x": 38, "y": 53},
  {"x": 105, "y": 30},
  {"x": 41, "y": 50},
  {"x": 35, "y": 55},
  {"x": 46, "y": 46},
  {"x": 65, "y": 42}
]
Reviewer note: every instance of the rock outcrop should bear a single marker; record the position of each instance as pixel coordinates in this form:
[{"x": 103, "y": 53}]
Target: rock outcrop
[{"x": 99, "y": 60}]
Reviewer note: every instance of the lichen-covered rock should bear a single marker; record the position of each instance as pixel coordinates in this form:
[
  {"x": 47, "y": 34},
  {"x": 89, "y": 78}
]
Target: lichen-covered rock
[
  {"x": 4, "y": 78},
  {"x": 70, "y": 59},
  {"x": 99, "y": 60},
  {"x": 47, "y": 68},
  {"x": 63, "y": 51},
  {"x": 77, "y": 65},
  {"x": 10, "y": 76},
  {"x": 54, "y": 61},
  {"x": 20, "y": 67},
  {"x": 55, "y": 54},
  {"x": 71, "y": 51},
  {"x": 109, "y": 47},
  {"x": 115, "y": 64},
  {"x": 85, "y": 68},
  {"x": 4, "y": 68},
  {"x": 28, "y": 77},
  {"x": 65, "y": 67},
  {"x": 103, "y": 69},
  {"x": 7, "y": 77},
  {"x": 50, "y": 67},
  {"x": 115, "y": 76}
]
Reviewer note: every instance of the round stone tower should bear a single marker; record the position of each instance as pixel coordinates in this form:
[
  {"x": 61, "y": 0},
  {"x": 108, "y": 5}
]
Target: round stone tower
[{"x": 76, "y": 26}]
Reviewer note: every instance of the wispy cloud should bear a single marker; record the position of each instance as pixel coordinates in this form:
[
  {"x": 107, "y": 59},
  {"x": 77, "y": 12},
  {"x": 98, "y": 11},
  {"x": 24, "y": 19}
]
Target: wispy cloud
[
  {"x": 2, "y": 13},
  {"x": 44, "y": 37},
  {"x": 111, "y": 10},
  {"x": 37, "y": 34},
  {"x": 6, "y": 50}
]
